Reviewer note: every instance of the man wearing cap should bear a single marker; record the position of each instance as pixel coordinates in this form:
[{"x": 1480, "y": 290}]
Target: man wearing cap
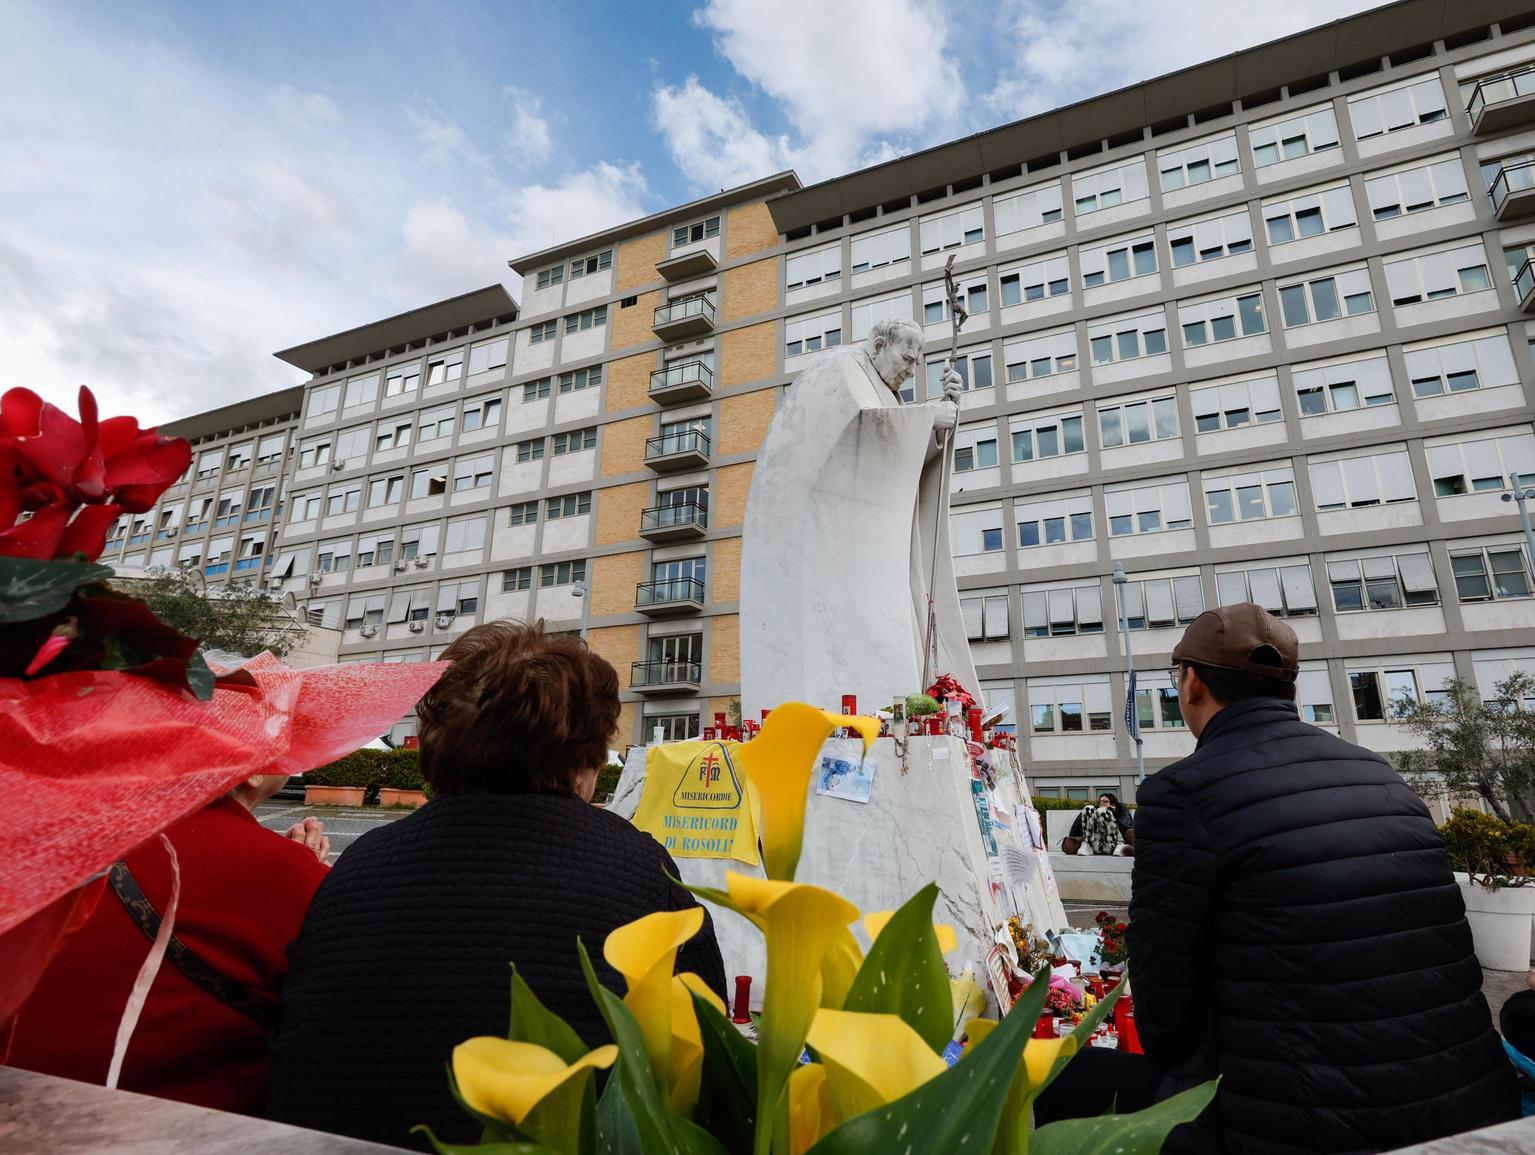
[{"x": 1295, "y": 927}]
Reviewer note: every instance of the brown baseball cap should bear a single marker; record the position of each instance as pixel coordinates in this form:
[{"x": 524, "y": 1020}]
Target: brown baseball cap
[{"x": 1233, "y": 638}]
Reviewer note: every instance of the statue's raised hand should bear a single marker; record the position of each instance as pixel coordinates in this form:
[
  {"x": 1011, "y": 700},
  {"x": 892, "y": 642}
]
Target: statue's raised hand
[{"x": 953, "y": 385}]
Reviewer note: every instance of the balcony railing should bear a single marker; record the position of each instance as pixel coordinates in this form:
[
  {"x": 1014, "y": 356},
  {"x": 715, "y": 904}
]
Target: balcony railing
[
  {"x": 689, "y": 447},
  {"x": 673, "y": 522},
  {"x": 1524, "y": 286},
  {"x": 678, "y": 595},
  {"x": 1512, "y": 181},
  {"x": 682, "y": 381},
  {"x": 1492, "y": 96},
  {"x": 674, "y": 675},
  {"x": 685, "y": 316}
]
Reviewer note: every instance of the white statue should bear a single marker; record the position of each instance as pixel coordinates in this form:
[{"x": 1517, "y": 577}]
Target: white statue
[{"x": 846, "y": 517}]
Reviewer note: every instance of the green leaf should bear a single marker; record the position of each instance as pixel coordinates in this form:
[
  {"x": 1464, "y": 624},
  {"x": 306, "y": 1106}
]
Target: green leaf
[
  {"x": 565, "y": 1119},
  {"x": 727, "y": 1095},
  {"x": 532, "y": 1022},
  {"x": 1139, "y": 1133},
  {"x": 500, "y": 1148},
  {"x": 904, "y": 973},
  {"x": 32, "y": 589},
  {"x": 616, "y": 1132},
  {"x": 959, "y": 1110}
]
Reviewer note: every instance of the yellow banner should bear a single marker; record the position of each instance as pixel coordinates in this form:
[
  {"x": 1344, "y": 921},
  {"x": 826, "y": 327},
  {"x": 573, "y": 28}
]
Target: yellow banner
[{"x": 697, "y": 802}]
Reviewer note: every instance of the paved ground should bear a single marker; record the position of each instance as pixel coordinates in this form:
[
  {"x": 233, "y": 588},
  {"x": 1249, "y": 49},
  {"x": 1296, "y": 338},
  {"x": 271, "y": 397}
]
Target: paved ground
[{"x": 344, "y": 824}]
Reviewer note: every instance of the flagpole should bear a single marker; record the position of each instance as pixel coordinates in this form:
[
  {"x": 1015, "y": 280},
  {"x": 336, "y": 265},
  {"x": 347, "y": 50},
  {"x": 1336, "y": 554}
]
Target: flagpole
[{"x": 1132, "y": 720}]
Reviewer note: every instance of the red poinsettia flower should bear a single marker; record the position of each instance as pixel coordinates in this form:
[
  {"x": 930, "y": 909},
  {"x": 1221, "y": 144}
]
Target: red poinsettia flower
[{"x": 52, "y": 465}]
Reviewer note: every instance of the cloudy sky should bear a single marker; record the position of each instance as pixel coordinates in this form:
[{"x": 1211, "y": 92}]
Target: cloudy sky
[{"x": 187, "y": 187}]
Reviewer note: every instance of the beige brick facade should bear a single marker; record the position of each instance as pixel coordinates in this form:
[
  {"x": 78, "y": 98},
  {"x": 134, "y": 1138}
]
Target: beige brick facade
[
  {"x": 726, "y": 567},
  {"x": 628, "y": 382},
  {"x": 617, "y": 644},
  {"x": 614, "y": 577},
  {"x": 748, "y": 354},
  {"x": 744, "y": 420},
  {"x": 749, "y": 229},
  {"x": 618, "y": 512},
  {"x": 730, "y": 485},
  {"x": 751, "y": 289},
  {"x": 623, "y": 448},
  {"x": 631, "y": 326},
  {"x": 624, "y": 733},
  {"x": 637, "y": 261}
]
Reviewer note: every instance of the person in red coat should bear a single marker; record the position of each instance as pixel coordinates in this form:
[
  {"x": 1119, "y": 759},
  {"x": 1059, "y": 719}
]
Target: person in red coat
[{"x": 202, "y": 1039}]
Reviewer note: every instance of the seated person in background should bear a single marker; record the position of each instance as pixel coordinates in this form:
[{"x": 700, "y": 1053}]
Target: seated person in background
[
  {"x": 1517, "y": 1022},
  {"x": 407, "y": 949},
  {"x": 1105, "y": 828},
  {"x": 202, "y": 1037}
]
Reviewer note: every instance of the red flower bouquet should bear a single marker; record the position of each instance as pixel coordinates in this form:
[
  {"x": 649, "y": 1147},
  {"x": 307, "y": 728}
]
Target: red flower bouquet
[{"x": 1112, "y": 947}]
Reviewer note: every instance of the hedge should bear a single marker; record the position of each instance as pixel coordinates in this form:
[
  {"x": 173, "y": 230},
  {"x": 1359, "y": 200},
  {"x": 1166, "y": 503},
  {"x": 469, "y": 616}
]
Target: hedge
[
  {"x": 397, "y": 769},
  {"x": 607, "y": 781}
]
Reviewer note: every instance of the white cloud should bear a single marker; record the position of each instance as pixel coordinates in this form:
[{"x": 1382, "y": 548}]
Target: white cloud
[
  {"x": 712, "y": 139},
  {"x": 439, "y": 135},
  {"x": 527, "y": 141}
]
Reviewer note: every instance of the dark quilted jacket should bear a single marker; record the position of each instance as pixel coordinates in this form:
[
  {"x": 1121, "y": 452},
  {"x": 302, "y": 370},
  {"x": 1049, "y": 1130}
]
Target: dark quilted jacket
[
  {"x": 406, "y": 949},
  {"x": 1295, "y": 928}
]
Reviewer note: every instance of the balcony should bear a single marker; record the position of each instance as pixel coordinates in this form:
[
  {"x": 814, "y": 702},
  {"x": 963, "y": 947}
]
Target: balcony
[
  {"x": 668, "y": 599},
  {"x": 1501, "y": 103},
  {"x": 681, "y": 381},
  {"x": 1513, "y": 191},
  {"x": 685, "y": 317},
  {"x": 696, "y": 263},
  {"x": 684, "y": 522},
  {"x": 674, "y": 451},
  {"x": 1524, "y": 286},
  {"x": 666, "y": 677}
]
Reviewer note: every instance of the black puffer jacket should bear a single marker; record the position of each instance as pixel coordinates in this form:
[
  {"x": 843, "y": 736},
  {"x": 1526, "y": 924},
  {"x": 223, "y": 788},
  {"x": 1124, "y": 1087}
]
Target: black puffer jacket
[
  {"x": 407, "y": 947},
  {"x": 1295, "y": 928}
]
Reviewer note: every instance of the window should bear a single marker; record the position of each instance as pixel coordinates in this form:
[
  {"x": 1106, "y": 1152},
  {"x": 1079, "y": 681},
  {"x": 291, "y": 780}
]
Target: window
[
  {"x": 586, "y": 266},
  {"x": 1384, "y": 692},
  {"x": 671, "y": 727},
  {"x": 324, "y": 400},
  {"x": 1163, "y": 603},
  {"x": 429, "y": 481},
  {"x": 1035, "y": 280},
  {"x": 1036, "y": 437},
  {"x": 465, "y": 534},
  {"x": 523, "y": 513},
  {"x": 575, "y": 440},
  {"x": 1196, "y": 163},
  {"x": 886, "y": 247},
  {"x": 570, "y": 505},
  {"x": 1308, "y": 132},
  {"x": 695, "y": 232},
  {"x": 548, "y": 278},
  {"x": 482, "y": 413},
  {"x": 1235, "y": 404},
  {"x": 343, "y": 499},
  {"x": 1490, "y": 573},
  {"x": 973, "y": 367},
  {"x": 972, "y": 294},
  {"x": 1136, "y": 422},
  {"x": 1118, "y": 261},
  {"x": 1411, "y": 190},
  {"x": 1343, "y": 385},
  {"x": 473, "y": 472},
  {"x": 1354, "y": 482},
  {"x": 435, "y": 423},
  {"x": 1478, "y": 463},
  {"x": 541, "y": 331},
  {"x": 813, "y": 267},
  {"x": 361, "y": 390},
  {"x": 239, "y": 457},
  {"x": 976, "y": 529},
  {"x": 1309, "y": 214},
  {"x": 1136, "y": 509},
  {"x": 402, "y": 379},
  {"x": 386, "y": 491},
  {"x": 376, "y": 550},
  {"x": 1029, "y": 209},
  {"x": 333, "y": 556},
  {"x": 1477, "y": 362},
  {"x": 210, "y": 462},
  {"x": 517, "y": 580},
  {"x": 445, "y": 368},
  {"x": 679, "y": 436},
  {"x": 1105, "y": 187},
  {"x": 578, "y": 379},
  {"x": 587, "y": 319},
  {"x": 530, "y": 450},
  {"x": 1382, "y": 582},
  {"x": 1156, "y": 703},
  {"x": 1225, "y": 319},
  {"x": 306, "y": 507},
  {"x": 867, "y": 313},
  {"x": 488, "y": 355},
  {"x": 352, "y": 447},
  {"x": 1041, "y": 356},
  {"x": 1313, "y": 694},
  {"x": 533, "y": 390},
  {"x": 950, "y": 230},
  {"x": 1250, "y": 496},
  {"x": 985, "y": 615},
  {"x": 1326, "y": 298},
  {"x": 1378, "y": 112},
  {"x": 365, "y": 610},
  {"x": 393, "y": 435},
  {"x": 1210, "y": 239},
  {"x": 270, "y": 449},
  {"x": 218, "y": 556},
  {"x": 1069, "y": 708},
  {"x": 315, "y": 451},
  {"x": 1062, "y": 611},
  {"x": 1055, "y": 521},
  {"x": 975, "y": 448},
  {"x": 1126, "y": 338},
  {"x": 562, "y": 573},
  {"x": 1431, "y": 276},
  {"x": 808, "y": 334},
  {"x": 420, "y": 541},
  {"x": 411, "y": 605},
  {"x": 1494, "y": 666},
  {"x": 1283, "y": 589}
]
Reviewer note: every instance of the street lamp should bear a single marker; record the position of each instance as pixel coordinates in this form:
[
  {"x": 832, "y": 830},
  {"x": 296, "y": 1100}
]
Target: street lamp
[
  {"x": 1131, "y": 722},
  {"x": 579, "y": 590},
  {"x": 1520, "y": 495}
]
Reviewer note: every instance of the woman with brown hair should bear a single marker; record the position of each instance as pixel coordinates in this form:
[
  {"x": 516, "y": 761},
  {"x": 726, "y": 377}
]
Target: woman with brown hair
[{"x": 407, "y": 947}]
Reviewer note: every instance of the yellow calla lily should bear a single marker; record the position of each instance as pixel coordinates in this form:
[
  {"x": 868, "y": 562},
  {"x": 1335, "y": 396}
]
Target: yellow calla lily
[
  {"x": 811, "y": 1112},
  {"x": 870, "y": 1059},
  {"x": 780, "y": 760},
  {"x": 506, "y": 1079},
  {"x": 874, "y": 923},
  {"x": 839, "y": 967},
  {"x": 1040, "y": 1055},
  {"x": 645, "y": 953},
  {"x": 687, "y": 1050}
]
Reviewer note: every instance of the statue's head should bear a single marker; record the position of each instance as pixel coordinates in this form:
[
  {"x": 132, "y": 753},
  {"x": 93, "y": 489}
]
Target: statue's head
[{"x": 895, "y": 347}]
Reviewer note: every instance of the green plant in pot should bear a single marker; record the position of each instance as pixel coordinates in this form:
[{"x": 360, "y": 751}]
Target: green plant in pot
[{"x": 346, "y": 780}]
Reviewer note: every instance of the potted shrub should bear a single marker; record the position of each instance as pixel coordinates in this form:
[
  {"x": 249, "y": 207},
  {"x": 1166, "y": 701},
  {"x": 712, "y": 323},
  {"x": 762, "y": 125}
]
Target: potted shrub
[
  {"x": 402, "y": 783},
  {"x": 343, "y": 782},
  {"x": 1489, "y": 856}
]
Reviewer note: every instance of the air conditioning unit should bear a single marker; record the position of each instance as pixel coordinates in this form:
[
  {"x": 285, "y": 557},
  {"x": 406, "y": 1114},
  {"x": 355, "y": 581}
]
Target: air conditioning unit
[
  {"x": 369, "y": 631},
  {"x": 401, "y": 566},
  {"x": 444, "y": 621},
  {"x": 314, "y": 579},
  {"x": 421, "y": 562},
  {"x": 170, "y": 531},
  {"x": 337, "y": 466},
  {"x": 417, "y": 627}
]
